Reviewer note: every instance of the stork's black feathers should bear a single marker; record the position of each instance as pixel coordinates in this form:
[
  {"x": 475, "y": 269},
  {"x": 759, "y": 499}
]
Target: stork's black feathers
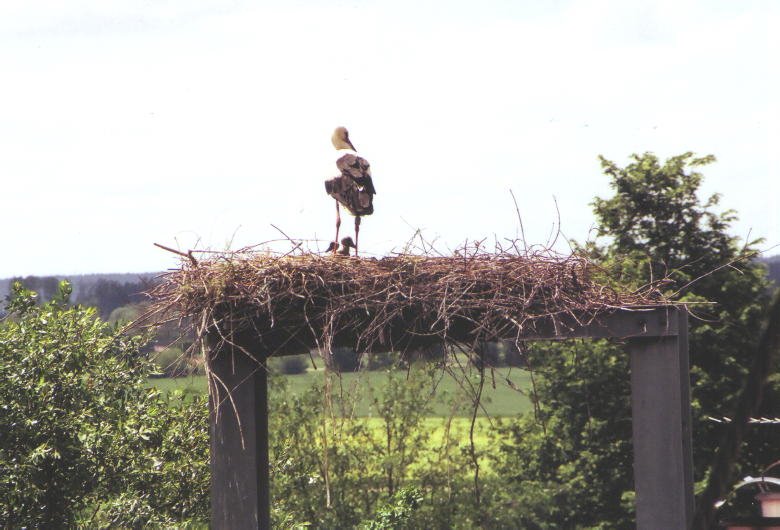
[
  {"x": 354, "y": 188},
  {"x": 356, "y": 199}
]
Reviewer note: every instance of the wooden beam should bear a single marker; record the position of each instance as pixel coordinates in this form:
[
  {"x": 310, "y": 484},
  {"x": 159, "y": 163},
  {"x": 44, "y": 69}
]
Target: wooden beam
[
  {"x": 622, "y": 324},
  {"x": 240, "y": 484},
  {"x": 661, "y": 418}
]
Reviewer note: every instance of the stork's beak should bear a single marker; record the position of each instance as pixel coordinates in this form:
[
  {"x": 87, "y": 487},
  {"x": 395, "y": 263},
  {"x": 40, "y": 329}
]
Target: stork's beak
[{"x": 350, "y": 144}]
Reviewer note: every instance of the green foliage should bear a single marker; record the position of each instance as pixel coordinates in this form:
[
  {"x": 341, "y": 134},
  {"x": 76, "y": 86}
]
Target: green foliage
[
  {"x": 294, "y": 364},
  {"x": 402, "y": 405},
  {"x": 125, "y": 314},
  {"x": 345, "y": 359},
  {"x": 773, "y": 269},
  {"x": 170, "y": 361},
  {"x": 381, "y": 360},
  {"x": 572, "y": 463},
  {"x": 83, "y": 440},
  {"x": 334, "y": 471},
  {"x": 397, "y": 512},
  {"x": 655, "y": 205},
  {"x": 659, "y": 224}
]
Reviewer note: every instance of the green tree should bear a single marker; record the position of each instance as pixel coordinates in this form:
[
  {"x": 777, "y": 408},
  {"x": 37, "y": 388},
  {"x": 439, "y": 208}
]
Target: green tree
[
  {"x": 83, "y": 441},
  {"x": 570, "y": 463},
  {"x": 574, "y": 458},
  {"x": 660, "y": 229},
  {"x": 402, "y": 405}
]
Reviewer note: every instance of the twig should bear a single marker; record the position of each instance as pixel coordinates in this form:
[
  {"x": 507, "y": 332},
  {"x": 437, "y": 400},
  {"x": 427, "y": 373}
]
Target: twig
[
  {"x": 519, "y": 220},
  {"x": 188, "y": 254}
]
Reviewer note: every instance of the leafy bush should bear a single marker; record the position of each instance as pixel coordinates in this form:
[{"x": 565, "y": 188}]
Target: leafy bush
[
  {"x": 432, "y": 353},
  {"x": 294, "y": 364},
  {"x": 339, "y": 472},
  {"x": 397, "y": 512},
  {"x": 170, "y": 361},
  {"x": 346, "y": 359},
  {"x": 83, "y": 441},
  {"x": 126, "y": 313}
]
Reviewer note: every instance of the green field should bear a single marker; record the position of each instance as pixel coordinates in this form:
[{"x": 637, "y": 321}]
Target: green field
[
  {"x": 443, "y": 425},
  {"x": 498, "y": 400}
]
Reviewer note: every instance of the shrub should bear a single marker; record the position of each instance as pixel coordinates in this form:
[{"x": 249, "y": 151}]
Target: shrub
[
  {"x": 381, "y": 360},
  {"x": 295, "y": 364},
  {"x": 170, "y": 362},
  {"x": 346, "y": 359},
  {"x": 397, "y": 512},
  {"x": 83, "y": 441},
  {"x": 125, "y": 314}
]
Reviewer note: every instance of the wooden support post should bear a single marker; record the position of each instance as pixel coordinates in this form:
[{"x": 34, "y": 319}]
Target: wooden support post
[
  {"x": 660, "y": 400},
  {"x": 240, "y": 496}
]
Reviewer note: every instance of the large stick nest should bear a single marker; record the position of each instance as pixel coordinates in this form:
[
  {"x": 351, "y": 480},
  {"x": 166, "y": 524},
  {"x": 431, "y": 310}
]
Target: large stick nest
[{"x": 291, "y": 303}]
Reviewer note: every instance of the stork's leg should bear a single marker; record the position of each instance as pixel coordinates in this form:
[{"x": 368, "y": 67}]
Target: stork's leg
[
  {"x": 338, "y": 224},
  {"x": 357, "y": 230}
]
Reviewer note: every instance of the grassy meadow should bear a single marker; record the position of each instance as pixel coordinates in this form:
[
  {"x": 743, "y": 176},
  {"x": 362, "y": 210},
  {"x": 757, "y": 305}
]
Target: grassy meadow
[
  {"x": 449, "y": 420},
  {"x": 498, "y": 397}
]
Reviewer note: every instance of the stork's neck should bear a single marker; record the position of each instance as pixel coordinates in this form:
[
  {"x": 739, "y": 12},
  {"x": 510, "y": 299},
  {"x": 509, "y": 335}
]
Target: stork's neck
[{"x": 341, "y": 144}]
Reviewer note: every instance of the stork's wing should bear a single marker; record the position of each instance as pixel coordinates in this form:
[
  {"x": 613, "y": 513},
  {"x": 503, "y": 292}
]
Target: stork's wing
[
  {"x": 357, "y": 168},
  {"x": 366, "y": 183}
]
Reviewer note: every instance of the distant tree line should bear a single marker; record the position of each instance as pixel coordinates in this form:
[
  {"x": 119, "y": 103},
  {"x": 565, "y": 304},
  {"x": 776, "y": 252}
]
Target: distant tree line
[
  {"x": 104, "y": 292},
  {"x": 107, "y": 295},
  {"x": 772, "y": 264}
]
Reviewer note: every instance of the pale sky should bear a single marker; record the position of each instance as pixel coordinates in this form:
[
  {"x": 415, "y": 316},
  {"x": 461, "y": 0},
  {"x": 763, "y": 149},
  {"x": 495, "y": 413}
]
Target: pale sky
[{"x": 199, "y": 123}]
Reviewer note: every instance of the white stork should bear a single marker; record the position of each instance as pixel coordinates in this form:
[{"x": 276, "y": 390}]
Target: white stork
[{"x": 353, "y": 189}]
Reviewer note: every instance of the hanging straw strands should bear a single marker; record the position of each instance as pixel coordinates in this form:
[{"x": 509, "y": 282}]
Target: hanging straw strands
[{"x": 297, "y": 301}]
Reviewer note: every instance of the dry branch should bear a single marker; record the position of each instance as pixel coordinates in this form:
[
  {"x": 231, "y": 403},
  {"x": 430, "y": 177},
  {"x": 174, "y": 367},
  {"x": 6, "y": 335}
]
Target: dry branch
[{"x": 296, "y": 301}]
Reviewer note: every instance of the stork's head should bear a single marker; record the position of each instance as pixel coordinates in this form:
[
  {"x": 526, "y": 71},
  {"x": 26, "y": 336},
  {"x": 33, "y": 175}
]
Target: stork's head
[{"x": 340, "y": 139}]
